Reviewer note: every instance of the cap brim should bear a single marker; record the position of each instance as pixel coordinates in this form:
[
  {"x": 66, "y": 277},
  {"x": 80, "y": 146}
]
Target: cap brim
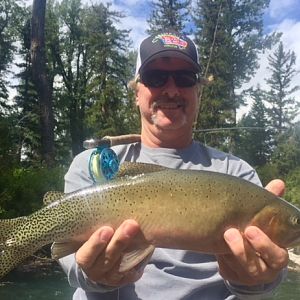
[{"x": 171, "y": 53}]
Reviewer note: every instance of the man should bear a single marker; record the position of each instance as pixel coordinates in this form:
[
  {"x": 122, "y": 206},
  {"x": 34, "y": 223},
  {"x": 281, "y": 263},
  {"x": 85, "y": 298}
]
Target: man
[{"x": 167, "y": 86}]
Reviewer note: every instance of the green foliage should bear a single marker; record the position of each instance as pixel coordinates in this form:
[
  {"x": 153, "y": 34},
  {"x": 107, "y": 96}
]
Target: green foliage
[
  {"x": 267, "y": 173},
  {"x": 10, "y": 142},
  {"x": 293, "y": 187},
  {"x": 284, "y": 108},
  {"x": 254, "y": 143},
  {"x": 286, "y": 155},
  {"x": 169, "y": 14},
  {"x": 22, "y": 190},
  {"x": 90, "y": 55},
  {"x": 108, "y": 88},
  {"x": 10, "y": 15},
  {"x": 230, "y": 36},
  {"x": 285, "y": 163},
  {"x": 26, "y": 100}
]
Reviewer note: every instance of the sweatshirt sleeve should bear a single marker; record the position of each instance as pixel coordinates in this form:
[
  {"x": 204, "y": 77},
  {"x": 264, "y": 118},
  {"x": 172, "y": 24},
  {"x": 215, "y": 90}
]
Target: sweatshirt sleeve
[
  {"x": 78, "y": 279},
  {"x": 262, "y": 291}
]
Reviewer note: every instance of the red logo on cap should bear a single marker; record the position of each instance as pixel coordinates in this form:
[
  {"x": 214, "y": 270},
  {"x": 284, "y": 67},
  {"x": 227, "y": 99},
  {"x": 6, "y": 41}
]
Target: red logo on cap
[{"x": 171, "y": 40}]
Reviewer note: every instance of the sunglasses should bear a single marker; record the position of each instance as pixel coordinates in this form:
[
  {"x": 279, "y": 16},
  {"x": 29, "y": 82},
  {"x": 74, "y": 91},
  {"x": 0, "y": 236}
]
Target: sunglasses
[{"x": 158, "y": 78}]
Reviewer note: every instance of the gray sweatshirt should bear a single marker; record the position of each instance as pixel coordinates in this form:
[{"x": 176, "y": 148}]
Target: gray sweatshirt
[{"x": 170, "y": 274}]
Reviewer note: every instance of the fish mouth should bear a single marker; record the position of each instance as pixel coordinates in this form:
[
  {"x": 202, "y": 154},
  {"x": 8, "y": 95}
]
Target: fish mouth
[{"x": 295, "y": 243}]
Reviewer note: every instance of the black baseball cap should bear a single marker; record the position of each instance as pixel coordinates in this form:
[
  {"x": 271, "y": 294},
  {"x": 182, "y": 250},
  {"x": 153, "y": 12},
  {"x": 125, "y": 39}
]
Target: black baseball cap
[{"x": 167, "y": 44}]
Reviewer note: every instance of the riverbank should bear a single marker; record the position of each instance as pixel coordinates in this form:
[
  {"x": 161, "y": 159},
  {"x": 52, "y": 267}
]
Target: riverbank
[{"x": 294, "y": 263}]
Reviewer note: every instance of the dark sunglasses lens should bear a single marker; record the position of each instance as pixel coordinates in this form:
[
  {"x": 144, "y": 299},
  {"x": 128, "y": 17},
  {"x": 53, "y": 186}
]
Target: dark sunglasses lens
[
  {"x": 154, "y": 78},
  {"x": 158, "y": 78},
  {"x": 185, "y": 78}
]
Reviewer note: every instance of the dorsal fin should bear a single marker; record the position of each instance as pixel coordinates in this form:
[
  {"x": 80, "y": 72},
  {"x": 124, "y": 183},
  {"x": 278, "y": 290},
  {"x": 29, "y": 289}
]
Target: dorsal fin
[
  {"x": 52, "y": 196},
  {"x": 133, "y": 168}
]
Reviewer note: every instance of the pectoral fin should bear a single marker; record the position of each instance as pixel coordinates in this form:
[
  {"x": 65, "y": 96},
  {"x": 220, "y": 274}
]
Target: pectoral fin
[
  {"x": 135, "y": 257},
  {"x": 64, "y": 248}
]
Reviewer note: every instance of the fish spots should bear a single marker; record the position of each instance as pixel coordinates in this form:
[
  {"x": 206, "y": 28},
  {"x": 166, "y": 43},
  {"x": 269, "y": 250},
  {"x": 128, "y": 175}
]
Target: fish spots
[
  {"x": 233, "y": 195},
  {"x": 149, "y": 213}
]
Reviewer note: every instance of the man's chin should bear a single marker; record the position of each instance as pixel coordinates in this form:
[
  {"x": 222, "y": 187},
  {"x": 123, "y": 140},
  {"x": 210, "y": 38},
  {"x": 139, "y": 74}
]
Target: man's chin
[{"x": 168, "y": 124}]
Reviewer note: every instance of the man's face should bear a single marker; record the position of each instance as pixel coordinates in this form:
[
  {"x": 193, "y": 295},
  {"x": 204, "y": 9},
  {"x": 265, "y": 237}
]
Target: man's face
[{"x": 168, "y": 107}]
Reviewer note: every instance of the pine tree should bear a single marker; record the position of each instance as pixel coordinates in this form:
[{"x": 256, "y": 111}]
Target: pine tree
[
  {"x": 43, "y": 81},
  {"x": 10, "y": 16},
  {"x": 286, "y": 155},
  {"x": 112, "y": 72},
  {"x": 91, "y": 57},
  {"x": 11, "y": 19},
  {"x": 254, "y": 143},
  {"x": 169, "y": 14},
  {"x": 229, "y": 35},
  {"x": 283, "y": 107},
  {"x": 27, "y": 102}
]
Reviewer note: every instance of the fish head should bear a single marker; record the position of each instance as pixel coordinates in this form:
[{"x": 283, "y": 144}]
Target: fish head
[
  {"x": 294, "y": 221},
  {"x": 281, "y": 222}
]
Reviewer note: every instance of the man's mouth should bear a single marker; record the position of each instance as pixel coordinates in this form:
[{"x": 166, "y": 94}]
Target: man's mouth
[{"x": 167, "y": 105}]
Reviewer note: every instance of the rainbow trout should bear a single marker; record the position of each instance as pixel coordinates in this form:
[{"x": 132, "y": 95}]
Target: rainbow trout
[{"x": 180, "y": 209}]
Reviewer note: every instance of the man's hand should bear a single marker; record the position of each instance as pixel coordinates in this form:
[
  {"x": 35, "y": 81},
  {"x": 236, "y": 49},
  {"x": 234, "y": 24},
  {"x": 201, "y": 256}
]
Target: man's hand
[
  {"x": 255, "y": 259},
  {"x": 99, "y": 257}
]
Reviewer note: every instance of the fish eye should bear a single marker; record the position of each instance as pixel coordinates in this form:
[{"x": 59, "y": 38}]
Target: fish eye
[{"x": 295, "y": 220}]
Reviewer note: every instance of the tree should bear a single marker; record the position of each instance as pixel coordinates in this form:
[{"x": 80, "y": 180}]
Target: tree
[
  {"x": 10, "y": 16},
  {"x": 9, "y": 142},
  {"x": 293, "y": 187},
  {"x": 285, "y": 161},
  {"x": 42, "y": 81},
  {"x": 169, "y": 14},
  {"x": 286, "y": 155},
  {"x": 254, "y": 143},
  {"x": 11, "y": 19},
  {"x": 69, "y": 52},
  {"x": 283, "y": 108},
  {"x": 113, "y": 69},
  {"x": 91, "y": 59},
  {"x": 229, "y": 35},
  {"x": 27, "y": 102}
]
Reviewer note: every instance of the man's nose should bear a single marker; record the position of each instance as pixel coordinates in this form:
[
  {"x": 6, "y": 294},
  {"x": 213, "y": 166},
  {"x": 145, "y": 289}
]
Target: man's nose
[{"x": 170, "y": 88}]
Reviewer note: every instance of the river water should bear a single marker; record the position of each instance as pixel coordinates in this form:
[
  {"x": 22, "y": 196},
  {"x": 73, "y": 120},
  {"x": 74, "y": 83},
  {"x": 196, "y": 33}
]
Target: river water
[{"x": 54, "y": 286}]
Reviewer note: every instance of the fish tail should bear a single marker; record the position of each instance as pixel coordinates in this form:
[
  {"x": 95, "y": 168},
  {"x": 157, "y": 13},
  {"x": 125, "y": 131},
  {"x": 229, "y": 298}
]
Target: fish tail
[{"x": 10, "y": 254}]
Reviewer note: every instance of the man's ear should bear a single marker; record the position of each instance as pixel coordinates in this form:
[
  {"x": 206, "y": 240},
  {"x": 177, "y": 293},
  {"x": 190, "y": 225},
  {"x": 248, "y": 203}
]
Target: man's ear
[{"x": 133, "y": 85}]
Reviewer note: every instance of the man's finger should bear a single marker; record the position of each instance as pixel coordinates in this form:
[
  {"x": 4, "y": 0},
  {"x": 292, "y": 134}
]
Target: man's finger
[
  {"x": 105, "y": 267},
  {"x": 276, "y": 186},
  {"x": 274, "y": 256},
  {"x": 87, "y": 254},
  {"x": 244, "y": 254},
  {"x": 121, "y": 239}
]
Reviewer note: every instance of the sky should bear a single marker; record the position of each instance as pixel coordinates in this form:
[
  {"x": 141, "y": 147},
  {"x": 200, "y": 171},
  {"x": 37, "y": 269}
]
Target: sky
[{"x": 281, "y": 16}]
